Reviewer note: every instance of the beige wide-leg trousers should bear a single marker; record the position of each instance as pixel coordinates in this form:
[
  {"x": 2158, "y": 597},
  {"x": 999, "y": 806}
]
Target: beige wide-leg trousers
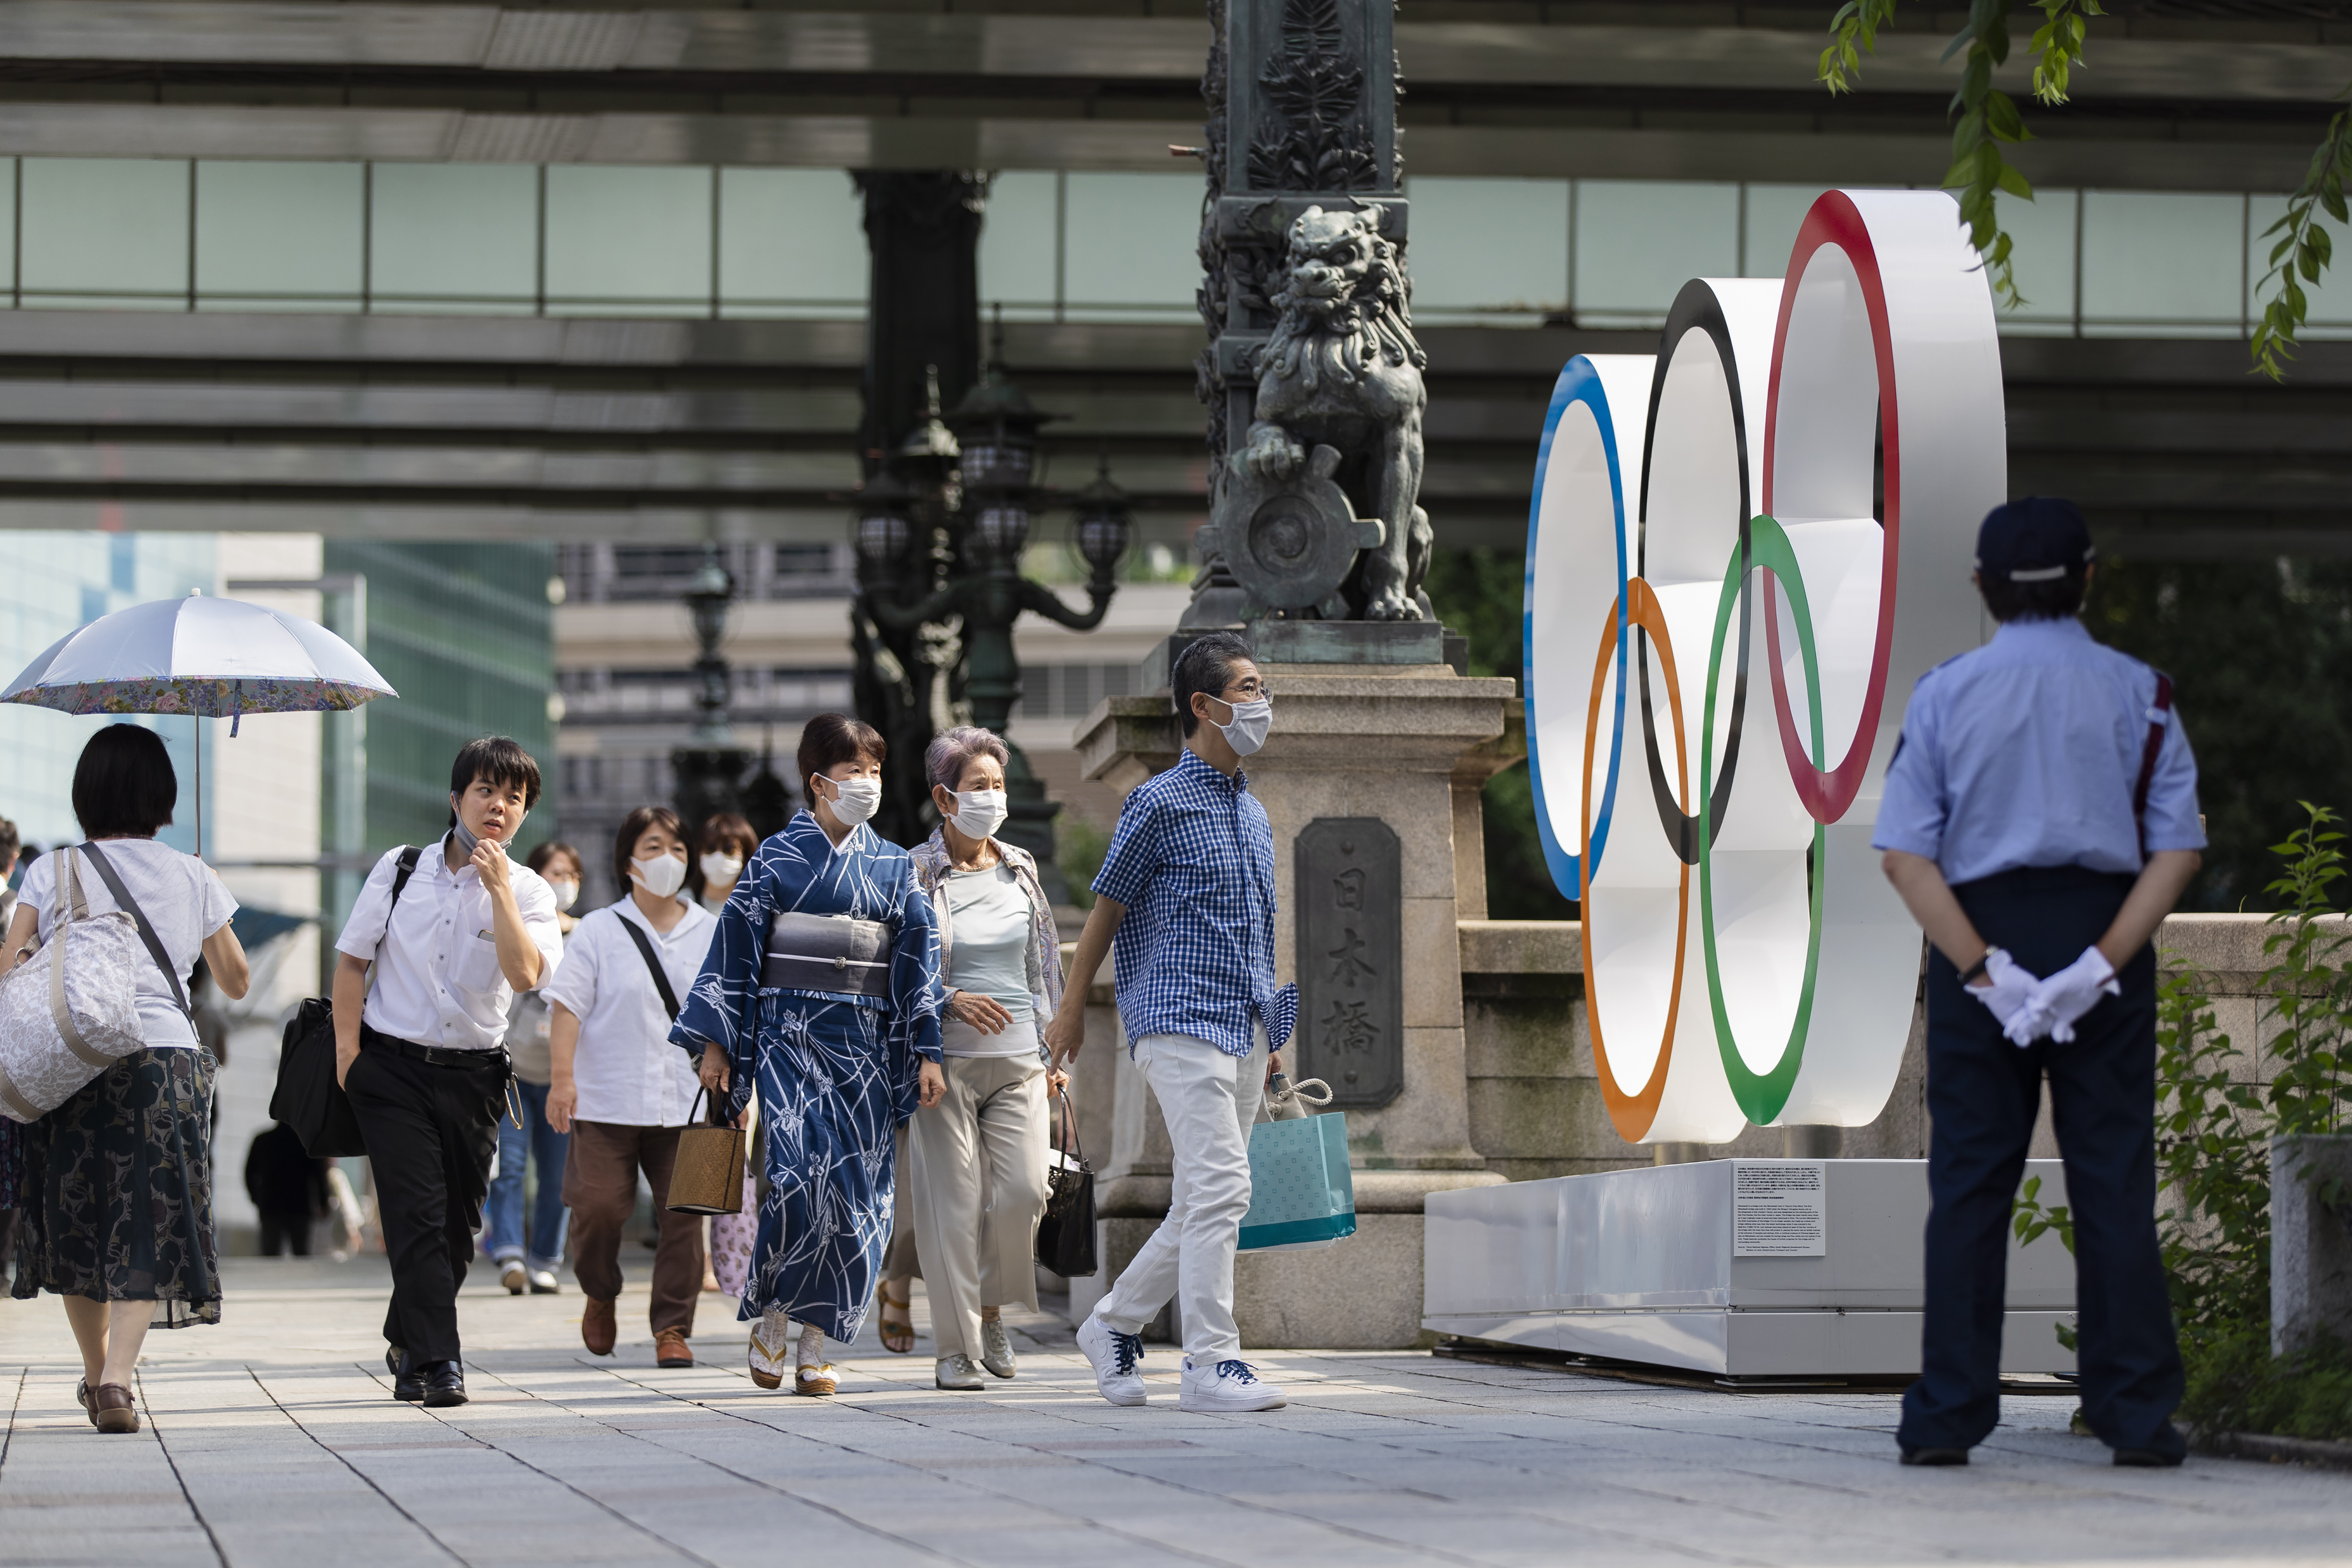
[{"x": 977, "y": 1163}]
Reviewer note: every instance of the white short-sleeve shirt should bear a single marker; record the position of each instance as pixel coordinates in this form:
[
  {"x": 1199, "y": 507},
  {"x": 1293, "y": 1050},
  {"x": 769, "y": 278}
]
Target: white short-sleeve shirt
[
  {"x": 437, "y": 980},
  {"x": 181, "y": 899},
  {"x": 625, "y": 1069}
]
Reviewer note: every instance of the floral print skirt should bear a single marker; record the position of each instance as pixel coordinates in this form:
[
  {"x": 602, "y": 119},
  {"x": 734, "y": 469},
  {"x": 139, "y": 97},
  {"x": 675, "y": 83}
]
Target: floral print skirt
[{"x": 117, "y": 1191}]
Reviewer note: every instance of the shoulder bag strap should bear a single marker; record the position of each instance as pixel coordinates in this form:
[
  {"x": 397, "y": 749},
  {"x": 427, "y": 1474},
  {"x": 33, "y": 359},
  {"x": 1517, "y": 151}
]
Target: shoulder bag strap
[
  {"x": 60, "y": 1011},
  {"x": 403, "y": 869},
  {"x": 661, "y": 981},
  {"x": 130, "y": 906},
  {"x": 2159, "y": 714}
]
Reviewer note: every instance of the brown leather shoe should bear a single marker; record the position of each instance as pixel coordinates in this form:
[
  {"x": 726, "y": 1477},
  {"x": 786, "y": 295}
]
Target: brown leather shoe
[
  {"x": 670, "y": 1349},
  {"x": 81, "y": 1397},
  {"x": 597, "y": 1329},
  {"x": 115, "y": 1407}
]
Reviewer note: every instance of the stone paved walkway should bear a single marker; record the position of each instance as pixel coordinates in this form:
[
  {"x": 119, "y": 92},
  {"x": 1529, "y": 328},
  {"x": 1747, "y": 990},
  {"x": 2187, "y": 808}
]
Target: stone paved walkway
[{"x": 271, "y": 1440}]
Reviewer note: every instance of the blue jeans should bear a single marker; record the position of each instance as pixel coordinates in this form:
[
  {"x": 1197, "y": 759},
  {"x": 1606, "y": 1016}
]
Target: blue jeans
[{"x": 504, "y": 1236}]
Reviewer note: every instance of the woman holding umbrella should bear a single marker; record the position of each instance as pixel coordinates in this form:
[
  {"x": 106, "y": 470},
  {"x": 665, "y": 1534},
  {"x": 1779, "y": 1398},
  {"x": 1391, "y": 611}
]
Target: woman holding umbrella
[
  {"x": 822, "y": 989},
  {"x": 119, "y": 1219}
]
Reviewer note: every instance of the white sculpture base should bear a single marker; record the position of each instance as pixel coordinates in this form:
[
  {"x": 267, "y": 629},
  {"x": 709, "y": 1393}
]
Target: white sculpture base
[{"x": 1641, "y": 1266}]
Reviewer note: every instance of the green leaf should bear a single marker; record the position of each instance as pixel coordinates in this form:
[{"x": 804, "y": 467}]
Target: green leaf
[
  {"x": 2013, "y": 181},
  {"x": 2003, "y": 119}
]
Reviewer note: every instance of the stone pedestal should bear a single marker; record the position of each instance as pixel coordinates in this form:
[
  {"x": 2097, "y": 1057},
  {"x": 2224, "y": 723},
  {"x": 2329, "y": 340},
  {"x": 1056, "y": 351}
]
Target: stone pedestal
[
  {"x": 2310, "y": 1239},
  {"x": 1355, "y": 737}
]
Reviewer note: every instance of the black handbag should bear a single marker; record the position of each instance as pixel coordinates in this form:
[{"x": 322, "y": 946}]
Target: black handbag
[
  {"x": 308, "y": 1098},
  {"x": 1066, "y": 1235}
]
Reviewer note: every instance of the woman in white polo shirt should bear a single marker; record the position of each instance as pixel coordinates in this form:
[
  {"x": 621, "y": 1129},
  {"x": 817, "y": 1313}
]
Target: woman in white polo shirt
[{"x": 621, "y": 1090}]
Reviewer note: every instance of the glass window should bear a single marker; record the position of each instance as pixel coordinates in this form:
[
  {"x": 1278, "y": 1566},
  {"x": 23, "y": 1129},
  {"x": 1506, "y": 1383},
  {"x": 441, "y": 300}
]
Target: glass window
[
  {"x": 792, "y": 242},
  {"x": 1130, "y": 246},
  {"x": 1489, "y": 251},
  {"x": 1639, "y": 241},
  {"x": 279, "y": 236},
  {"x": 2329, "y": 314},
  {"x": 455, "y": 238},
  {"x": 1775, "y": 213},
  {"x": 7, "y": 223},
  {"x": 2041, "y": 256},
  {"x": 628, "y": 241},
  {"x": 1017, "y": 239},
  {"x": 2164, "y": 262},
  {"x": 105, "y": 232}
]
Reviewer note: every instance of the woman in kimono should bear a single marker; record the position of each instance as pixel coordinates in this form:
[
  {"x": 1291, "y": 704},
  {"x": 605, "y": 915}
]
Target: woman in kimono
[{"x": 821, "y": 990}]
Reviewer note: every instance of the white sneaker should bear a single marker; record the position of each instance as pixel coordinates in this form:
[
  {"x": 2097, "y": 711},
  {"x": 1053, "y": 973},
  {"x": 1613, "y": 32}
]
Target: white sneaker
[
  {"x": 1230, "y": 1384},
  {"x": 1116, "y": 1358},
  {"x": 770, "y": 1350}
]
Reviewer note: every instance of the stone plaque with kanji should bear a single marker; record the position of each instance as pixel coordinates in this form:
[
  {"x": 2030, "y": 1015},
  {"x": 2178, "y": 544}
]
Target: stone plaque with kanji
[{"x": 1349, "y": 893}]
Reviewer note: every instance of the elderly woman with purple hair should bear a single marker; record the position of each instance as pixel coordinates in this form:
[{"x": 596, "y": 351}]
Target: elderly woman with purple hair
[{"x": 976, "y": 1161}]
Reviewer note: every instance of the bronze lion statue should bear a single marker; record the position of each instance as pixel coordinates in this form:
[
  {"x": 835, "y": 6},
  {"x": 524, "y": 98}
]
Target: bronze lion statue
[{"x": 1342, "y": 369}]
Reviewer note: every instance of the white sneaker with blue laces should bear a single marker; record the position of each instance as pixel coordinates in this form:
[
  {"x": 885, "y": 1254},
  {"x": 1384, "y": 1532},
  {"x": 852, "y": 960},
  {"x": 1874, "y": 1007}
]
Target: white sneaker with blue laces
[
  {"x": 1228, "y": 1384},
  {"x": 1116, "y": 1358}
]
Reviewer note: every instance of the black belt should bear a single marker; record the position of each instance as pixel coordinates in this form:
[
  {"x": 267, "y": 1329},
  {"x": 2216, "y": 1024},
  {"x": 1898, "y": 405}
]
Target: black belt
[{"x": 436, "y": 1055}]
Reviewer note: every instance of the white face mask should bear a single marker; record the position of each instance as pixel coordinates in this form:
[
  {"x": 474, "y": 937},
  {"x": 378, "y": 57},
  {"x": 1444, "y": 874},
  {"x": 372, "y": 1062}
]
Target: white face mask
[
  {"x": 565, "y": 891},
  {"x": 663, "y": 875},
  {"x": 858, "y": 799},
  {"x": 717, "y": 869},
  {"x": 1251, "y": 721},
  {"x": 979, "y": 812}
]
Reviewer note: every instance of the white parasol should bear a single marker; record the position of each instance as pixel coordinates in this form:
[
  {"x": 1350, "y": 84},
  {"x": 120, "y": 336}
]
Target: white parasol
[{"x": 209, "y": 658}]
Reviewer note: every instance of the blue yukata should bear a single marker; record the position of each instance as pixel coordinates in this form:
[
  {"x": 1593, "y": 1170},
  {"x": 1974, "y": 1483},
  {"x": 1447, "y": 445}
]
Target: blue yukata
[
  {"x": 2017, "y": 775},
  {"x": 836, "y": 1072}
]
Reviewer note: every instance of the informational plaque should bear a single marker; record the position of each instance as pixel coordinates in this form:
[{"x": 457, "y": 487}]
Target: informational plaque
[
  {"x": 1780, "y": 1209},
  {"x": 1349, "y": 889}
]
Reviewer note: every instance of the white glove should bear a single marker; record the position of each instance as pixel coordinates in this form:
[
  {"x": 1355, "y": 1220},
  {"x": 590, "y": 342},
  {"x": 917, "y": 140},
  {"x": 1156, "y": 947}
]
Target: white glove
[
  {"x": 2010, "y": 994},
  {"x": 2075, "y": 991}
]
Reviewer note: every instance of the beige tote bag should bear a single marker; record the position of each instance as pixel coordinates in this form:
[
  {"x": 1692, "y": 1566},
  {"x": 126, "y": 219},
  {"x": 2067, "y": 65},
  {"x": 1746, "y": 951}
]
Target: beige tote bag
[{"x": 71, "y": 1010}]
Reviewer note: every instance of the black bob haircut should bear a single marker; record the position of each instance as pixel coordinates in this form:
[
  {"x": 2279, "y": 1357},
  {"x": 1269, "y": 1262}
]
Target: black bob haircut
[
  {"x": 124, "y": 783},
  {"x": 2053, "y": 599},
  {"x": 1205, "y": 665},
  {"x": 500, "y": 759}
]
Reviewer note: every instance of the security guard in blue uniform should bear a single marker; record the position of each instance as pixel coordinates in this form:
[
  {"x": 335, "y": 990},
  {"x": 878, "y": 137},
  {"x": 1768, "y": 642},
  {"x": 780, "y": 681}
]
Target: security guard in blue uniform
[{"x": 2039, "y": 821}]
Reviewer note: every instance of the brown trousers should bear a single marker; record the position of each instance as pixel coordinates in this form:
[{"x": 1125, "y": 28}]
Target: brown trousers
[{"x": 600, "y": 1187}]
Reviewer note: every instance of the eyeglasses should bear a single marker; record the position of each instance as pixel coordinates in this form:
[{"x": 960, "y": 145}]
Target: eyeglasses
[{"x": 1252, "y": 690}]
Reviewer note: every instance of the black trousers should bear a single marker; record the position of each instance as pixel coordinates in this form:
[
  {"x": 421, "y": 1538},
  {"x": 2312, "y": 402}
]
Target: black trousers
[
  {"x": 288, "y": 1233},
  {"x": 1982, "y": 1095},
  {"x": 430, "y": 1133}
]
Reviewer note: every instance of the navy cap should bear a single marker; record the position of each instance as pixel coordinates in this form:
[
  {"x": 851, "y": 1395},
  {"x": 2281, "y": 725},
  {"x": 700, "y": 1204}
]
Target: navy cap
[{"x": 2034, "y": 539}]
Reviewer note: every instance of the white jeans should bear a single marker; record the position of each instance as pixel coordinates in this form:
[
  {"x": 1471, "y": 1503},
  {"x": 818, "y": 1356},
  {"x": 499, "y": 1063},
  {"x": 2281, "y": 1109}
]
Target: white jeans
[{"x": 1210, "y": 1099}]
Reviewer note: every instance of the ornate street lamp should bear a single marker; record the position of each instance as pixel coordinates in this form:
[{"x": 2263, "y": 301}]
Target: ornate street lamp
[
  {"x": 708, "y": 767},
  {"x": 988, "y": 505}
]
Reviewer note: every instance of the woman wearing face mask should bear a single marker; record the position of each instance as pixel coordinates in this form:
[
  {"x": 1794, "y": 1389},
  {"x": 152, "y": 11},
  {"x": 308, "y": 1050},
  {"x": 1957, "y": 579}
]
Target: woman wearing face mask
[
  {"x": 987, "y": 1138},
  {"x": 822, "y": 989},
  {"x": 620, "y": 1091},
  {"x": 530, "y": 1261},
  {"x": 724, "y": 845}
]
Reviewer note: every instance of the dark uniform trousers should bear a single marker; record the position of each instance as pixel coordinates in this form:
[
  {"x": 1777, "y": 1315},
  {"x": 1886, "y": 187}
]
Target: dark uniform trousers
[
  {"x": 430, "y": 1129},
  {"x": 1983, "y": 1094}
]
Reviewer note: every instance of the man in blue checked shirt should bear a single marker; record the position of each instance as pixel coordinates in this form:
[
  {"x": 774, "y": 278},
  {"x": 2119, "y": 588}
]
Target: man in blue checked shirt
[
  {"x": 1186, "y": 899},
  {"x": 2039, "y": 821}
]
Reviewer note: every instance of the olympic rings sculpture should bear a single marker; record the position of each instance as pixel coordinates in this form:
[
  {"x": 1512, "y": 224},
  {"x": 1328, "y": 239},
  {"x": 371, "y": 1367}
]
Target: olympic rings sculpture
[{"x": 1790, "y": 485}]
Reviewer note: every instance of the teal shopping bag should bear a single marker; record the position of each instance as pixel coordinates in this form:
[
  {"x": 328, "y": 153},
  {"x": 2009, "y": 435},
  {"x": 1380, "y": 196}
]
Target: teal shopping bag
[{"x": 1301, "y": 1195}]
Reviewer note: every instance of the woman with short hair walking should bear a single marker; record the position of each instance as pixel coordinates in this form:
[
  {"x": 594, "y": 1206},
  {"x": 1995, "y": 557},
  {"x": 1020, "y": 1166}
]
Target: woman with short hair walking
[
  {"x": 976, "y": 1159},
  {"x": 620, "y": 1089},
  {"x": 118, "y": 1181},
  {"x": 822, "y": 989}
]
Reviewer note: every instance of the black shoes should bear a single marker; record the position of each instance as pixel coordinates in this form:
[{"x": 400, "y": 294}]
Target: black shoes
[
  {"x": 2145, "y": 1459},
  {"x": 1912, "y": 1456},
  {"x": 444, "y": 1383},
  {"x": 408, "y": 1386}
]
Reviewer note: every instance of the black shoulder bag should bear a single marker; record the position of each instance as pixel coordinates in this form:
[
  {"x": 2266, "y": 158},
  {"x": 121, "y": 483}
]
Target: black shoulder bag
[
  {"x": 1066, "y": 1235},
  {"x": 309, "y": 1099}
]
